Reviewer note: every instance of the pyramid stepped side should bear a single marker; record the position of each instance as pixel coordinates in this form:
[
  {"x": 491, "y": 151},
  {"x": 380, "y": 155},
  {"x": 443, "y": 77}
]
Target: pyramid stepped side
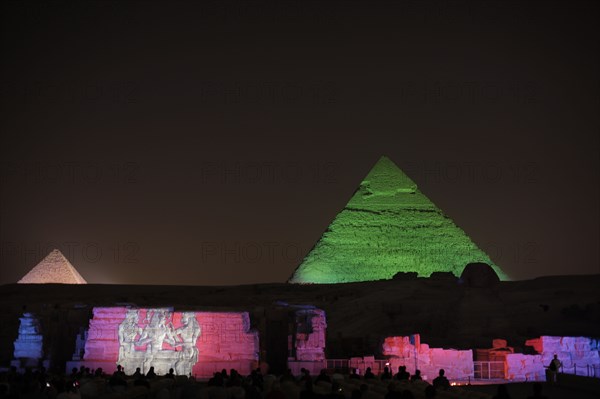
[
  {"x": 54, "y": 268},
  {"x": 387, "y": 227}
]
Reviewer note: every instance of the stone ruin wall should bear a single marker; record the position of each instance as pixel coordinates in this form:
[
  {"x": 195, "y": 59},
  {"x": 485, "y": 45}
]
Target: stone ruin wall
[
  {"x": 410, "y": 352},
  {"x": 575, "y": 353},
  {"x": 217, "y": 340}
]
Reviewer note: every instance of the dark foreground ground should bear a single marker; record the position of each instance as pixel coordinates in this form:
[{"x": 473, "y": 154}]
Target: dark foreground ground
[{"x": 525, "y": 389}]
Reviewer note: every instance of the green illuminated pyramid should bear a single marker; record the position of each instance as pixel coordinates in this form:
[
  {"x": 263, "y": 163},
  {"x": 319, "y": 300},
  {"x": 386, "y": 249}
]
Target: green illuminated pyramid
[{"x": 387, "y": 227}]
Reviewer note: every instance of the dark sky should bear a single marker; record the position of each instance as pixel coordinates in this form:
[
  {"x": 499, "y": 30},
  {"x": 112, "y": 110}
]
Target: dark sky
[{"x": 212, "y": 144}]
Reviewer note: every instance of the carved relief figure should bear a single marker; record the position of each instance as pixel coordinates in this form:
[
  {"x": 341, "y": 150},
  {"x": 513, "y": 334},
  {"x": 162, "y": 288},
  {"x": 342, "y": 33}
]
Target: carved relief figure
[
  {"x": 154, "y": 334},
  {"x": 157, "y": 328},
  {"x": 189, "y": 333},
  {"x": 128, "y": 331}
]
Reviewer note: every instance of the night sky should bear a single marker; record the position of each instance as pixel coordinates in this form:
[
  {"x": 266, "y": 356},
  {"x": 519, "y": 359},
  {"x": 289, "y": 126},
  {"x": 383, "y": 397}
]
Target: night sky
[{"x": 213, "y": 143}]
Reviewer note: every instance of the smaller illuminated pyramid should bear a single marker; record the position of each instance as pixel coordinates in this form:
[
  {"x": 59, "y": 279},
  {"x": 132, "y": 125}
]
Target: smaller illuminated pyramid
[{"x": 54, "y": 268}]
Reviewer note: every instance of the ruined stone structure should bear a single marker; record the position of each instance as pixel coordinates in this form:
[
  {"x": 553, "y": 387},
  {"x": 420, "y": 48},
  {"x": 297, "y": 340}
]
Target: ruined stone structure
[
  {"x": 310, "y": 335},
  {"x": 192, "y": 343},
  {"x": 29, "y": 344},
  {"x": 571, "y": 351},
  {"x": 307, "y": 344},
  {"x": 410, "y": 352},
  {"x": 271, "y": 325}
]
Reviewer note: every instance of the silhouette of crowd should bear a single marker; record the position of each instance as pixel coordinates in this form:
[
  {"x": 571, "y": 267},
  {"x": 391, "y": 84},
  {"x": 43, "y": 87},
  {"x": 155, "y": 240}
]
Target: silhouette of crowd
[{"x": 84, "y": 383}]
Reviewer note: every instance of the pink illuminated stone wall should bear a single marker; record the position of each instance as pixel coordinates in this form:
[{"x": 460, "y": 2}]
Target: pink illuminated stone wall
[
  {"x": 310, "y": 335},
  {"x": 196, "y": 343},
  {"x": 102, "y": 344},
  {"x": 577, "y": 354},
  {"x": 520, "y": 367},
  {"x": 309, "y": 341},
  {"x": 226, "y": 342},
  {"x": 458, "y": 364}
]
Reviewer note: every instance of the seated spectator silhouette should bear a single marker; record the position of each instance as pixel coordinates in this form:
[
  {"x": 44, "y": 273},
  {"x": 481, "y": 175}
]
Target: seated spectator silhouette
[
  {"x": 354, "y": 375},
  {"x": 216, "y": 380},
  {"x": 337, "y": 376},
  {"x": 117, "y": 382},
  {"x": 305, "y": 375},
  {"x": 287, "y": 376},
  {"x": 138, "y": 373},
  {"x": 364, "y": 388},
  {"x": 392, "y": 393},
  {"x": 336, "y": 391},
  {"x": 387, "y": 375},
  {"x": 502, "y": 392},
  {"x": 430, "y": 392},
  {"x": 402, "y": 373},
  {"x": 537, "y": 392},
  {"x": 275, "y": 392},
  {"x": 224, "y": 377},
  {"x": 308, "y": 392},
  {"x": 119, "y": 371},
  {"x": 252, "y": 391},
  {"x": 257, "y": 378},
  {"x": 323, "y": 377},
  {"x": 235, "y": 379},
  {"x": 170, "y": 374},
  {"x": 151, "y": 374},
  {"x": 141, "y": 381},
  {"x": 369, "y": 374},
  {"x": 416, "y": 376},
  {"x": 441, "y": 381}
]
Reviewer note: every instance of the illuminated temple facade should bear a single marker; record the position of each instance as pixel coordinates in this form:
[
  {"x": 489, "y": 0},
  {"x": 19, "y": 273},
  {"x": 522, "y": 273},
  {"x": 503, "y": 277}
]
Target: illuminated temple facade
[{"x": 192, "y": 343}]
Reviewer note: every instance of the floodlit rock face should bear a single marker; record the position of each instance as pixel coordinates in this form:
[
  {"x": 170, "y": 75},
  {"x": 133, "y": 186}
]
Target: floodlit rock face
[
  {"x": 410, "y": 352},
  {"x": 387, "y": 227},
  {"x": 54, "y": 268}
]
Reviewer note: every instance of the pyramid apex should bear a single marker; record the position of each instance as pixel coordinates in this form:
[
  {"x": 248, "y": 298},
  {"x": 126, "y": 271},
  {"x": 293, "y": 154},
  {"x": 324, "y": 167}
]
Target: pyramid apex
[
  {"x": 54, "y": 268},
  {"x": 386, "y": 178}
]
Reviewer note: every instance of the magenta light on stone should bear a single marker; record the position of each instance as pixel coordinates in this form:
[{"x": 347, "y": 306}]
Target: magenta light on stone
[{"x": 192, "y": 343}]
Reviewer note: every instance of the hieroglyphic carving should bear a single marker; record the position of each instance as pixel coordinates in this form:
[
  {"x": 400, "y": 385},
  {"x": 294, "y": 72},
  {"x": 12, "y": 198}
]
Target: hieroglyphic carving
[
  {"x": 143, "y": 346},
  {"x": 128, "y": 332}
]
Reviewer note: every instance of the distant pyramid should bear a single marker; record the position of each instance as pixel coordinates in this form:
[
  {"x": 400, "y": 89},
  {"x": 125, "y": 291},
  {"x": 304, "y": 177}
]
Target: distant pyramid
[
  {"x": 388, "y": 226},
  {"x": 54, "y": 268}
]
